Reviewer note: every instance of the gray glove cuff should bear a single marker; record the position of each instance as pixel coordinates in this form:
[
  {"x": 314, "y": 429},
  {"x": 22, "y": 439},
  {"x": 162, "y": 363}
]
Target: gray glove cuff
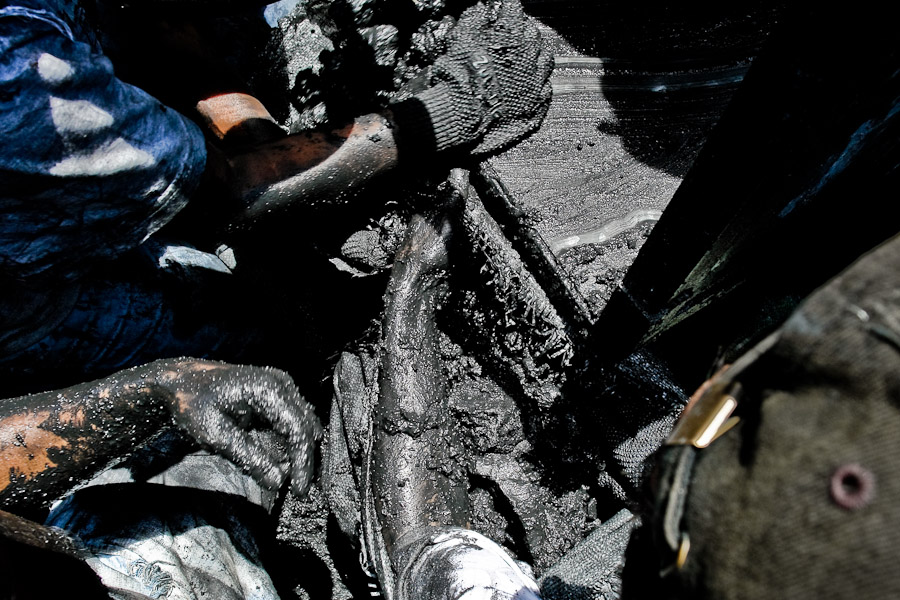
[
  {"x": 444, "y": 116},
  {"x": 429, "y": 122},
  {"x": 489, "y": 90}
]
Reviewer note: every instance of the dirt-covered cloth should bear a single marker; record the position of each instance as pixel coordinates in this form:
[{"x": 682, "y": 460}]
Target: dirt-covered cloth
[
  {"x": 111, "y": 323},
  {"x": 148, "y": 541},
  {"x": 592, "y": 570}
]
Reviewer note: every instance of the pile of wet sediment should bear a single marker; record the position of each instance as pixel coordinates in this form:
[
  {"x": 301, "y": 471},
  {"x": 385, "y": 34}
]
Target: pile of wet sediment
[{"x": 636, "y": 93}]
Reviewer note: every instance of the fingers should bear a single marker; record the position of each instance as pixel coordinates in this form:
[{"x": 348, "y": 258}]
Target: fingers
[
  {"x": 289, "y": 415},
  {"x": 263, "y": 462},
  {"x": 302, "y": 467},
  {"x": 509, "y": 10},
  {"x": 545, "y": 63},
  {"x": 470, "y": 20},
  {"x": 302, "y": 447},
  {"x": 284, "y": 408},
  {"x": 513, "y": 22},
  {"x": 303, "y": 431},
  {"x": 227, "y": 407}
]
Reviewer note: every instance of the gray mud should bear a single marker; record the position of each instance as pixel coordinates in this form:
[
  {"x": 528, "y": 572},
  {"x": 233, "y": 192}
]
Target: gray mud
[
  {"x": 598, "y": 268},
  {"x": 633, "y": 105}
]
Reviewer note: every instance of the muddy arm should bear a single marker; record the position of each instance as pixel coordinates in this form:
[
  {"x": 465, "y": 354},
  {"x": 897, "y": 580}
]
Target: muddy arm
[
  {"x": 51, "y": 441},
  {"x": 313, "y": 168},
  {"x": 415, "y": 485},
  {"x": 268, "y": 171}
]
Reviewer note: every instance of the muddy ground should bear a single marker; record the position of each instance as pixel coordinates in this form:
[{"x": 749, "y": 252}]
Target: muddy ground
[{"x": 635, "y": 96}]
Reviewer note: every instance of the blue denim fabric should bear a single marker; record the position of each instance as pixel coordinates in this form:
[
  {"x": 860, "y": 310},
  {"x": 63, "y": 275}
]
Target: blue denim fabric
[{"x": 89, "y": 166}]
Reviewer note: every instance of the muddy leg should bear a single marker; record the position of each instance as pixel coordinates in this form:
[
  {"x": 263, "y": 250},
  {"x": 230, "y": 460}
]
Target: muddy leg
[{"x": 414, "y": 487}]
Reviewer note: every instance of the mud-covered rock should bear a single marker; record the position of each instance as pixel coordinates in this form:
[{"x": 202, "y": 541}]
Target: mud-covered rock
[
  {"x": 598, "y": 268},
  {"x": 341, "y": 58},
  {"x": 551, "y": 523}
]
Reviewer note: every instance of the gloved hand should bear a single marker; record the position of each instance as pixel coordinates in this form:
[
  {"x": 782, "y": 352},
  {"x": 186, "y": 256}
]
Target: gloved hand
[
  {"x": 220, "y": 404},
  {"x": 490, "y": 89}
]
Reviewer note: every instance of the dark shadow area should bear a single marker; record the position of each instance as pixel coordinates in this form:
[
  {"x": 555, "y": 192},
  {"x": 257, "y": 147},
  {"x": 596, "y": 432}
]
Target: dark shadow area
[
  {"x": 125, "y": 509},
  {"x": 791, "y": 187},
  {"x": 345, "y": 555},
  {"x": 668, "y": 71},
  {"x": 298, "y": 572},
  {"x": 183, "y": 53},
  {"x": 310, "y": 309},
  {"x": 516, "y": 534},
  {"x": 29, "y": 552},
  {"x": 641, "y": 575},
  {"x": 602, "y": 431},
  {"x": 30, "y": 573}
]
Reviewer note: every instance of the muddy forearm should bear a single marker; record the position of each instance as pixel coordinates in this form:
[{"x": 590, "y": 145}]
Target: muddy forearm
[
  {"x": 312, "y": 168},
  {"x": 412, "y": 441},
  {"x": 51, "y": 441},
  {"x": 412, "y": 387}
]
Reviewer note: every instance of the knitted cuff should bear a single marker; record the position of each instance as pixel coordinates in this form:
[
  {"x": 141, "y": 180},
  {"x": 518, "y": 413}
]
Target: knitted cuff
[{"x": 429, "y": 122}]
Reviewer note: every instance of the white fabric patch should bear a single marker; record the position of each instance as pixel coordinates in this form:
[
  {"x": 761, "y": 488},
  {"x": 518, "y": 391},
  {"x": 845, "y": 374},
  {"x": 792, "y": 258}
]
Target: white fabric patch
[
  {"x": 168, "y": 558},
  {"x": 78, "y": 116},
  {"x": 110, "y": 158},
  {"x": 466, "y": 566},
  {"x": 53, "y": 70}
]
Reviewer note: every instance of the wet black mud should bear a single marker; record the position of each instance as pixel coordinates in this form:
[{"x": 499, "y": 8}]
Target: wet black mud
[
  {"x": 635, "y": 98},
  {"x": 599, "y": 268}
]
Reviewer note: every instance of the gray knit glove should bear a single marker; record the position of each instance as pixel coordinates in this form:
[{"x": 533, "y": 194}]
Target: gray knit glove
[{"x": 489, "y": 90}]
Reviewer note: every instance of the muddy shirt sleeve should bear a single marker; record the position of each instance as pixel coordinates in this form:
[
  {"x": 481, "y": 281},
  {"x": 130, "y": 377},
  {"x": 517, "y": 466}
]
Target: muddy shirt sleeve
[{"x": 89, "y": 165}]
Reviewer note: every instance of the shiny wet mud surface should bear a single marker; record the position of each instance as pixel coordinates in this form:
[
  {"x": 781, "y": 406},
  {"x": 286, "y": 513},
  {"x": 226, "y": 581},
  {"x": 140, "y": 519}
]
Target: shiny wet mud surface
[{"x": 635, "y": 96}]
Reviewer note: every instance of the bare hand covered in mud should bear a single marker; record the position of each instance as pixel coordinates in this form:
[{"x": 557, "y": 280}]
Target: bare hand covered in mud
[
  {"x": 422, "y": 261},
  {"x": 222, "y": 406}
]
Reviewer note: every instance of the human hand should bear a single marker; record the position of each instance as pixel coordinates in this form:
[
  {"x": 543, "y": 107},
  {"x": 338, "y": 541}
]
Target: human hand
[
  {"x": 492, "y": 86},
  {"x": 222, "y": 405},
  {"x": 238, "y": 119}
]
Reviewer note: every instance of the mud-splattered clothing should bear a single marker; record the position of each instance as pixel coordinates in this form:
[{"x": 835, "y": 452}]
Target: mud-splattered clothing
[
  {"x": 155, "y": 544},
  {"x": 90, "y": 167}
]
